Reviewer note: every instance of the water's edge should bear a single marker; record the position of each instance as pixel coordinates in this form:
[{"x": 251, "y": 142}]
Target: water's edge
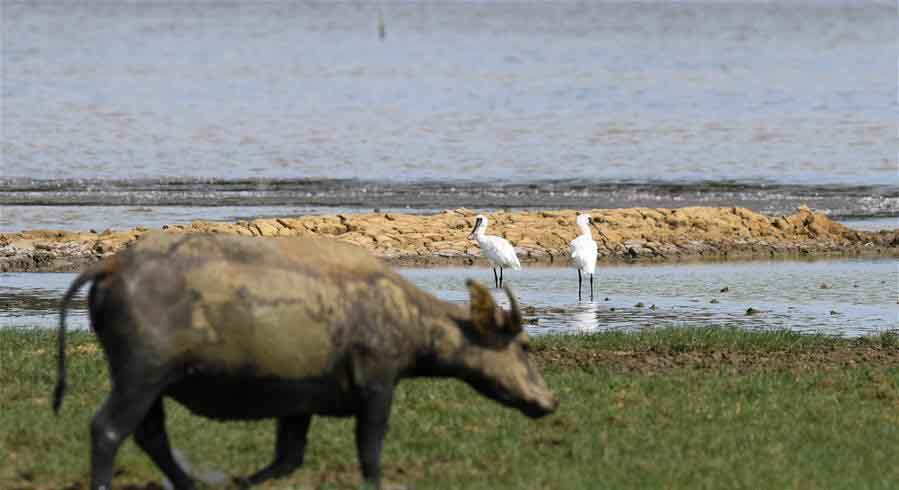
[{"x": 847, "y": 297}]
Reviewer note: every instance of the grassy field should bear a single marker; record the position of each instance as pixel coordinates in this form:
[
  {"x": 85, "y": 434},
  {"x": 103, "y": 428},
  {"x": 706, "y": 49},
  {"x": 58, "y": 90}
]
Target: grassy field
[{"x": 671, "y": 409}]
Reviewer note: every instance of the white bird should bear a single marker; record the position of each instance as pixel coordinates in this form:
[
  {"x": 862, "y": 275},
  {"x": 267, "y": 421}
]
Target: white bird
[
  {"x": 498, "y": 250},
  {"x": 583, "y": 251}
]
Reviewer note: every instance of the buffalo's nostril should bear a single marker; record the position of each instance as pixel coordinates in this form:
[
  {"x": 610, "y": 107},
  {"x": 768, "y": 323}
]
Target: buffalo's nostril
[
  {"x": 551, "y": 405},
  {"x": 554, "y": 404},
  {"x": 541, "y": 407}
]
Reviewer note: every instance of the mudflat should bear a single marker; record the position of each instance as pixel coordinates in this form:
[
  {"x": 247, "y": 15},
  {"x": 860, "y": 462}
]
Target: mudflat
[{"x": 631, "y": 234}]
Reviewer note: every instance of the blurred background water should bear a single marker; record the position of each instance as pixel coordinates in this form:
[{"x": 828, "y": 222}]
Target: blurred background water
[{"x": 119, "y": 114}]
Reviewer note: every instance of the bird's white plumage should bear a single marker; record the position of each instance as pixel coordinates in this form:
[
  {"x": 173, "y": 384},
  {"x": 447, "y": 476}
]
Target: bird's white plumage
[
  {"x": 583, "y": 248},
  {"x": 498, "y": 250}
]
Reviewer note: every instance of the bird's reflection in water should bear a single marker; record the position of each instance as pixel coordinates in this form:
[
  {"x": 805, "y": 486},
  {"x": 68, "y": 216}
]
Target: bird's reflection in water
[{"x": 584, "y": 317}]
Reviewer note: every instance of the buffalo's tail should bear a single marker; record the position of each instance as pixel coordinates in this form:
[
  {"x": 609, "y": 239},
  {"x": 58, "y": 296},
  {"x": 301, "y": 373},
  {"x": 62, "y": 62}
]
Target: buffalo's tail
[{"x": 91, "y": 274}]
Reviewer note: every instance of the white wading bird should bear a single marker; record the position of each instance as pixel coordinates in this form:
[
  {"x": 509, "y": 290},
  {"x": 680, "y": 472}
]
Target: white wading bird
[
  {"x": 498, "y": 250},
  {"x": 583, "y": 251}
]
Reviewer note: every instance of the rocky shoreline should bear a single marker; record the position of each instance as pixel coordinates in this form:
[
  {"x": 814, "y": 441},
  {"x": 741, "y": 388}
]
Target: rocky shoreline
[{"x": 540, "y": 237}]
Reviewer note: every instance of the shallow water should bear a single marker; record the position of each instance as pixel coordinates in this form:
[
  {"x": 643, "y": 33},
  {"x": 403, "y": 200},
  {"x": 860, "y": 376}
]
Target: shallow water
[
  {"x": 32, "y": 299},
  {"x": 860, "y": 297},
  {"x": 872, "y": 224}
]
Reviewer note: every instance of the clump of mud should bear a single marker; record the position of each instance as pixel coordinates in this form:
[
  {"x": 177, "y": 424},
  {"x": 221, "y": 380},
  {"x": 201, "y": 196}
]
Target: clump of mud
[
  {"x": 656, "y": 361},
  {"x": 656, "y": 234}
]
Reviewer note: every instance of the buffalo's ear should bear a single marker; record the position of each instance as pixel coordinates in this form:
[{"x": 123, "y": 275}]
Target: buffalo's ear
[
  {"x": 512, "y": 323},
  {"x": 489, "y": 319},
  {"x": 484, "y": 313}
]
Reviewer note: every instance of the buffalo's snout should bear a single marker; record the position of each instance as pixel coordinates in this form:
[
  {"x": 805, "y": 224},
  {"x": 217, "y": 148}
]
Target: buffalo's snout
[
  {"x": 541, "y": 406},
  {"x": 539, "y": 399}
]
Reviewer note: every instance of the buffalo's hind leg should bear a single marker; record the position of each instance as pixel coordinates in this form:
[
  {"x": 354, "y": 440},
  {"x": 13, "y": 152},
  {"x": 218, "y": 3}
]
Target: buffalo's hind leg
[
  {"x": 120, "y": 415},
  {"x": 152, "y": 438},
  {"x": 290, "y": 446}
]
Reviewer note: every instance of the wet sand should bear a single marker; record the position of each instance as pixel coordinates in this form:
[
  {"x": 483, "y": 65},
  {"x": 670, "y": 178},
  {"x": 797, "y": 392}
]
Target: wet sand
[{"x": 540, "y": 237}]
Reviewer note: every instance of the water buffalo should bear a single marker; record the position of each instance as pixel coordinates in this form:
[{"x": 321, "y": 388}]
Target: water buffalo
[{"x": 238, "y": 328}]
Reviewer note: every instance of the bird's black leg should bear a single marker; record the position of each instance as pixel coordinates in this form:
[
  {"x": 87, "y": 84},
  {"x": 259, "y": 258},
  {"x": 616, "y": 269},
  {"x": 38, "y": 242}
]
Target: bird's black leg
[
  {"x": 591, "y": 287},
  {"x": 578, "y": 284},
  {"x": 495, "y": 278},
  {"x": 500, "y": 277}
]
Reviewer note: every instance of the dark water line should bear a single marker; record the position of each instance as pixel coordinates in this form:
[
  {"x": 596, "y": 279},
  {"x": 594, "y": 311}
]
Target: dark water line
[
  {"x": 32, "y": 184},
  {"x": 772, "y": 198}
]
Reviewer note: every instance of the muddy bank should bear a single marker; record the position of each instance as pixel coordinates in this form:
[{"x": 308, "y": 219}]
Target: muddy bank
[
  {"x": 655, "y": 234},
  {"x": 659, "y": 362}
]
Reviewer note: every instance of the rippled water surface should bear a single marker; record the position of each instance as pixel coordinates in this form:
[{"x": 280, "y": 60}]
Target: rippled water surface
[
  {"x": 844, "y": 297},
  {"x": 799, "y": 91}
]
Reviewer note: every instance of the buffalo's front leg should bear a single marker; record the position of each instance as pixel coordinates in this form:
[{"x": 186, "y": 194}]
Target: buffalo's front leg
[
  {"x": 290, "y": 446},
  {"x": 371, "y": 427}
]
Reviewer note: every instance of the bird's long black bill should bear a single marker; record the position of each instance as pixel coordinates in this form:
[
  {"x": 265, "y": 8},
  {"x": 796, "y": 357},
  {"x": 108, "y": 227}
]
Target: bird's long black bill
[
  {"x": 599, "y": 231},
  {"x": 477, "y": 223}
]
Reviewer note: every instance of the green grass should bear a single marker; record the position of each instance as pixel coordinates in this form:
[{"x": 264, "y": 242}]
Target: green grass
[
  {"x": 676, "y": 408},
  {"x": 708, "y": 338}
]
